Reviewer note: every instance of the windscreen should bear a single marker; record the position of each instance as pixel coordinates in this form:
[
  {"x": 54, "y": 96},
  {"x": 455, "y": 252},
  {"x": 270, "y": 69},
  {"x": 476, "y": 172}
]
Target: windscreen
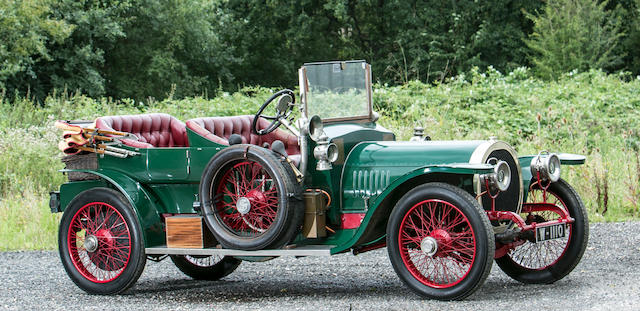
[{"x": 337, "y": 90}]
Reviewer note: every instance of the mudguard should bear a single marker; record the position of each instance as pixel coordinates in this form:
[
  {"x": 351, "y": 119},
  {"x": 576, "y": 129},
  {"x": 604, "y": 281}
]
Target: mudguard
[
  {"x": 565, "y": 159},
  {"x": 141, "y": 201},
  {"x": 464, "y": 170}
]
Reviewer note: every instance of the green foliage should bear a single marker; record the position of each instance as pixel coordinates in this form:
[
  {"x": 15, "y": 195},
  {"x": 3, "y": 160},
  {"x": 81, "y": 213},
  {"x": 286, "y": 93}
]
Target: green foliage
[
  {"x": 574, "y": 35},
  {"x": 171, "y": 48},
  {"x": 118, "y": 48},
  {"x": 590, "y": 113},
  {"x": 72, "y": 55},
  {"x": 151, "y": 48},
  {"x": 404, "y": 40},
  {"x": 80, "y": 59},
  {"x": 631, "y": 41},
  {"x": 143, "y": 49},
  {"x": 26, "y": 28},
  {"x": 272, "y": 39}
]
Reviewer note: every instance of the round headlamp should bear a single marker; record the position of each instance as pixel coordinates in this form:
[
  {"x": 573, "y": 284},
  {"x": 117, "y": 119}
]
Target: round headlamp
[
  {"x": 502, "y": 173},
  {"x": 547, "y": 165},
  {"x": 315, "y": 127},
  {"x": 500, "y": 178}
]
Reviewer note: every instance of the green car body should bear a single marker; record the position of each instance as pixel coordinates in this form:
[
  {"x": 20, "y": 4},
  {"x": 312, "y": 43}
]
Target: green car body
[
  {"x": 371, "y": 173},
  {"x": 371, "y": 180}
]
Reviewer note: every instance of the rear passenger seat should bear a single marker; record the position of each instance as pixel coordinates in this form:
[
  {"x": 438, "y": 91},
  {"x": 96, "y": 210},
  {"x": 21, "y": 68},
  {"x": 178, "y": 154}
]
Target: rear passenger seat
[{"x": 152, "y": 129}]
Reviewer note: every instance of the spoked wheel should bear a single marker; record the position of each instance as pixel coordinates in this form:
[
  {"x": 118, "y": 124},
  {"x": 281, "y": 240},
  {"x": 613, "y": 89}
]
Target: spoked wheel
[
  {"x": 248, "y": 204},
  {"x": 549, "y": 261},
  {"x": 250, "y": 199},
  {"x": 440, "y": 242},
  {"x": 206, "y": 267},
  {"x": 100, "y": 242}
]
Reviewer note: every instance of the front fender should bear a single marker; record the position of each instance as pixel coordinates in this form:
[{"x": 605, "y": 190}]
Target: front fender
[
  {"x": 141, "y": 201},
  {"x": 565, "y": 159},
  {"x": 376, "y": 216}
]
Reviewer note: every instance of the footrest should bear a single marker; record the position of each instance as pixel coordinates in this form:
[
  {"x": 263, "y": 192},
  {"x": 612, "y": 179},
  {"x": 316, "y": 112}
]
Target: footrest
[{"x": 307, "y": 250}]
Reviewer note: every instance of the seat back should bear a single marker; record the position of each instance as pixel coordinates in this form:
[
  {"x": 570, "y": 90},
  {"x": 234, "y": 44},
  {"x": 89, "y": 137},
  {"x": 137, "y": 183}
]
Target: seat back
[
  {"x": 152, "y": 129},
  {"x": 218, "y": 130}
]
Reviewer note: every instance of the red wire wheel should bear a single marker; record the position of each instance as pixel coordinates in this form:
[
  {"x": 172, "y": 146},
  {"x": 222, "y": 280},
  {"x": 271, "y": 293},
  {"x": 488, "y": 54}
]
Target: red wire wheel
[
  {"x": 549, "y": 261},
  {"x": 249, "y": 199},
  {"x": 437, "y": 243},
  {"x": 100, "y": 242},
  {"x": 440, "y": 242},
  {"x": 209, "y": 268},
  {"x": 542, "y": 255}
]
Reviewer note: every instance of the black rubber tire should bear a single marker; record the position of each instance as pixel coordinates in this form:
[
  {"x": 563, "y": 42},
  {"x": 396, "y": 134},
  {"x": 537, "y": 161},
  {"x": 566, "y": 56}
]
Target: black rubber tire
[
  {"x": 137, "y": 258},
  {"x": 479, "y": 223},
  {"x": 574, "y": 251},
  {"x": 290, "y": 211},
  {"x": 212, "y": 272}
]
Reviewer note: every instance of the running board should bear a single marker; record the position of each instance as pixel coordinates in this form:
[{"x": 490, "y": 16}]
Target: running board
[{"x": 307, "y": 250}]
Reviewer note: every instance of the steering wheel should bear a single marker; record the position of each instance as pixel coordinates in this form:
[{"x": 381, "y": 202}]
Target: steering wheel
[{"x": 283, "y": 110}]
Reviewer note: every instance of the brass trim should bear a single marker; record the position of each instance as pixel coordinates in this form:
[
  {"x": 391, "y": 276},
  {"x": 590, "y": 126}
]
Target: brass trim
[
  {"x": 340, "y": 144},
  {"x": 480, "y": 156}
]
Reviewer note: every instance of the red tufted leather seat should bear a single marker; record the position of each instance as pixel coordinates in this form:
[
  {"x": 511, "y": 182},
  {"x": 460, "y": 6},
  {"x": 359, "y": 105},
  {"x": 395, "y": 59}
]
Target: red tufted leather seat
[
  {"x": 153, "y": 129},
  {"x": 218, "y": 129}
]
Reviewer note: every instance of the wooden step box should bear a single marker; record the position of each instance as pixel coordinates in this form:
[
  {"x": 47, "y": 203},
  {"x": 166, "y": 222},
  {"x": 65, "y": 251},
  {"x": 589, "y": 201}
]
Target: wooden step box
[{"x": 188, "y": 231}]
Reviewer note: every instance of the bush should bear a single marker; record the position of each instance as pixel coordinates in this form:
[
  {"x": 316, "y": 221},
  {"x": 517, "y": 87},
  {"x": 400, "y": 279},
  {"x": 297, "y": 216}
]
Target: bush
[{"x": 574, "y": 35}]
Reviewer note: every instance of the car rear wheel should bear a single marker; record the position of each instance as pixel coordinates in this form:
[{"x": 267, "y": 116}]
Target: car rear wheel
[
  {"x": 440, "y": 242},
  {"x": 549, "y": 261},
  {"x": 100, "y": 242},
  {"x": 209, "y": 268},
  {"x": 251, "y": 199}
]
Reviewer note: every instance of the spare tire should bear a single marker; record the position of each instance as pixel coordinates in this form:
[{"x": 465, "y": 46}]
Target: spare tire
[{"x": 250, "y": 199}]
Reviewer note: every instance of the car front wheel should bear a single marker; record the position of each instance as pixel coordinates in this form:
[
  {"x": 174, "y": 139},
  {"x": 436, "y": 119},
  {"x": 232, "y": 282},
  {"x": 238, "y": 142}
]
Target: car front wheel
[
  {"x": 549, "y": 261},
  {"x": 440, "y": 242}
]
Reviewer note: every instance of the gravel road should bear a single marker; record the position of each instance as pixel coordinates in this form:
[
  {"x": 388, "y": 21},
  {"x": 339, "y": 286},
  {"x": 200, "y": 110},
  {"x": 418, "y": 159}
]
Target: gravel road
[{"x": 607, "y": 278}]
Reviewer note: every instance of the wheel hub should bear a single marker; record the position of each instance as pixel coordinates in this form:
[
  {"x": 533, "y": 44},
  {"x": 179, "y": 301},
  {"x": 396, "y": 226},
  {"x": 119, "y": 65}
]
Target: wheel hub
[
  {"x": 243, "y": 205},
  {"x": 429, "y": 246},
  {"x": 91, "y": 243},
  {"x": 441, "y": 236},
  {"x": 256, "y": 196}
]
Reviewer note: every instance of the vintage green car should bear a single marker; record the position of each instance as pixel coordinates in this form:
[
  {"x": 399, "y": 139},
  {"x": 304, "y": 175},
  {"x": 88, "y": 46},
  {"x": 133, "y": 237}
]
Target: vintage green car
[{"x": 216, "y": 191}]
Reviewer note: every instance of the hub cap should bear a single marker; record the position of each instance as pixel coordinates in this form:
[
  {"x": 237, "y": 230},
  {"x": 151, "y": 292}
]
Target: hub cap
[
  {"x": 91, "y": 243},
  {"x": 429, "y": 246},
  {"x": 243, "y": 206}
]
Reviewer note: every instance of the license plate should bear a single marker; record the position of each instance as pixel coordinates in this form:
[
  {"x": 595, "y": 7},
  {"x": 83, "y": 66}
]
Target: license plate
[{"x": 551, "y": 232}]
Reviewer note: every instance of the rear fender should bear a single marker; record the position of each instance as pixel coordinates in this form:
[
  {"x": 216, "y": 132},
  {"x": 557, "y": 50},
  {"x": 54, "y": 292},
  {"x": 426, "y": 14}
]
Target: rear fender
[
  {"x": 140, "y": 199},
  {"x": 374, "y": 223}
]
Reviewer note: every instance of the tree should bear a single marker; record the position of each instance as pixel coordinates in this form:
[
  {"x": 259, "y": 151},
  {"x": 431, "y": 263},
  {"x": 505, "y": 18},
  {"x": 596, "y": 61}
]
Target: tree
[
  {"x": 402, "y": 39},
  {"x": 26, "y": 30},
  {"x": 631, "y": 40},
  {"x": 574, "y": 35},
  {"x": 272, "y": 39},
  {"x": 430, "y": 40},
  {"x": 78, "y": 62},
  {"x": 171, "y": 47}
]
